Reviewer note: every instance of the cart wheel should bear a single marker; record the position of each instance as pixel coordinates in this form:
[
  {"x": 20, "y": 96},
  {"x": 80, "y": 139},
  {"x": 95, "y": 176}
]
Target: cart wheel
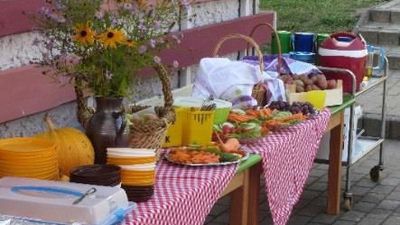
[
  {"x": 374, "y": 173},
  {"x": 348, "y": 201}
]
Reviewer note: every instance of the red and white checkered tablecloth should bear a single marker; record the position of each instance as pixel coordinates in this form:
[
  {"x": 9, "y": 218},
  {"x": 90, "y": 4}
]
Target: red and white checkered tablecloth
[
  {"x": 183, "y": 195},
  {"x": 287, "y": 158}
]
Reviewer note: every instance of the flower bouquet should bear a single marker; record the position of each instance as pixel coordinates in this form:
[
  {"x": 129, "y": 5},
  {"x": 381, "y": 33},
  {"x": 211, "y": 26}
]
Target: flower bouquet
[{"x": 101, "y": 44}]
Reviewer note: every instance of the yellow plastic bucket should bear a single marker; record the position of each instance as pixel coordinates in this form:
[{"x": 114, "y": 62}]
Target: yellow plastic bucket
[{"x": 316, "y": 98}]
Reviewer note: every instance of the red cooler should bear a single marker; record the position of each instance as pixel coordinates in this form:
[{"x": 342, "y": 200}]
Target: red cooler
[{"x": 344, "y": 50}]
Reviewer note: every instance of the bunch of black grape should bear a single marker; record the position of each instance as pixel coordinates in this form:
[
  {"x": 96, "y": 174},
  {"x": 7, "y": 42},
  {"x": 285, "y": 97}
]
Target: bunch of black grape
[{"x": 296, "y": 107}]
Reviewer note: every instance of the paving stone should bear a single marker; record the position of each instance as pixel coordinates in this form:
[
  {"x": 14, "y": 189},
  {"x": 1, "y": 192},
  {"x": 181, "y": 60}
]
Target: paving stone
[
  {"x": 311, "y": 210},
  {"x": 382, "y": 189},
  {"x": 353, "y": 215},
  {"x": 225, "y": 200},
  {"x": 310, "y": 194},
  {"x": 311, "y": 179},
  {"x": 364, "y": 206},
  {"x": 379, "y": 213},
  {"x": 358, "y": 190},
  {"x": 318, "y": 186},
  {"x": 377, "y": 15},
  {"x": 223, "y": 218},
  {"x": 267, "y": 221},
  {"x": 318, "y": 173},
  {"x": 389, "y": 204},
  {"x": 390, "y": 181},
  {"x": 373, "y": 197},
  {"x": 392, "y": 220},
  {"x": 208, "y": 220},
  {"x": 365, "y": 182},
  {"x": 344, "y": 222},
  {"x": 372, "y": 220},
  {"x": 395, "y": 195},
  {"x": 299, "y": 220},
  {"x": 325, "y": 218},
  {"x": 218, "y": 209}
]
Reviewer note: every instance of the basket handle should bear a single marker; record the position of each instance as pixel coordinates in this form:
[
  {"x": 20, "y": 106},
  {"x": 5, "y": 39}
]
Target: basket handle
[
  {"x": 242, "y": 37},
  {"x": 166, "y": 85},
  {"x": 278, "y": 42}
]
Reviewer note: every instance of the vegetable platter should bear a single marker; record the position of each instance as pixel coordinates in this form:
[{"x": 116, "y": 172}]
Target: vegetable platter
[
  {"x": 254, "y": 123},
  {"x": 214, "y": 154}
]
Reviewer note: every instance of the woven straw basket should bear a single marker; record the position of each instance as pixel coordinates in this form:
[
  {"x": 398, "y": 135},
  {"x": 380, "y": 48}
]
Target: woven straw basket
[{"x": 151, "y": 133}]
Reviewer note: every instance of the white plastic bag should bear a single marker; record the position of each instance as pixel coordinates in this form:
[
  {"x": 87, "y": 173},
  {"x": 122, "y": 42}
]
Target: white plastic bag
[{"x": 234, "y": 81}]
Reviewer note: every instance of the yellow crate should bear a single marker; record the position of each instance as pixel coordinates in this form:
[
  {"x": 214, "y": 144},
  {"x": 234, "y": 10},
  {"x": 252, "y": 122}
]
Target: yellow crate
[
  {"x": 198, "y": 127},
  {"x": 174, "y": 132}
]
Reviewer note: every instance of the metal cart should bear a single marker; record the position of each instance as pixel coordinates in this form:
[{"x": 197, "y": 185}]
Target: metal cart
[{"x": 367, "y": 144}]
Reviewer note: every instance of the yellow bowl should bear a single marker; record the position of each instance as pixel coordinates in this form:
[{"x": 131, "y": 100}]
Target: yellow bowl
[
  {"x": 26, "y": 144},
  {"x": 130, "y": 161}
]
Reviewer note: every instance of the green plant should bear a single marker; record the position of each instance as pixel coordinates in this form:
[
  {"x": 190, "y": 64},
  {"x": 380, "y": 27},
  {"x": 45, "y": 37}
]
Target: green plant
[{"x": 100, "y": 45}]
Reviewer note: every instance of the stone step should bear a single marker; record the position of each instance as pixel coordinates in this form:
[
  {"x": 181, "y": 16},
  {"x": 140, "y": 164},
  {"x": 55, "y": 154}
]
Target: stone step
[
  {"x": 394, "y": 58},
  {"x": 384, "y": 16},
  {"x": 385, "y": 13},
  {"x": 377, "y": 34}
]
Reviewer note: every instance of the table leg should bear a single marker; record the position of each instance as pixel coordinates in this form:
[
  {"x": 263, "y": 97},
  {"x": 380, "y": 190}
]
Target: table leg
[
  {"x": 335, "y": 167},
  {"x": 244, "y": 200}
]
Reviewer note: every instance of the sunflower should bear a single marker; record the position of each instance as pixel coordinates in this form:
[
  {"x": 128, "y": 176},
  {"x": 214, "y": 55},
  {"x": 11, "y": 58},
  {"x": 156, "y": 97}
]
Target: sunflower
[
  {"x": 112, "y": 37},
  {"x": 84, "y": 34}
]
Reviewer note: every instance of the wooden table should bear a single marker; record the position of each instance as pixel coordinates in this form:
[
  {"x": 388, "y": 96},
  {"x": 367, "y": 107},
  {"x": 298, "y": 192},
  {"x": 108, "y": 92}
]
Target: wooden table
[
  {"x": 335, "y": 126},
  {"x": 244, "y": 191}
]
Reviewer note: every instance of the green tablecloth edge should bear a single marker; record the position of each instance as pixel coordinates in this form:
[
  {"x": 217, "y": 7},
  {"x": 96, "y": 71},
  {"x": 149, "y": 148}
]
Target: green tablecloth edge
[
  {"x": 251, "y": 161},
  {"x": 347, "y": 101}
]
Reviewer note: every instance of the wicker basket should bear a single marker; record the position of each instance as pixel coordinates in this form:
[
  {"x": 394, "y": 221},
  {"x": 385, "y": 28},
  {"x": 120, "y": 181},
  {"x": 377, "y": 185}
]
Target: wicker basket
[
  {"x": 274, "y": 32},
  {"x": 151, "y": 133}
]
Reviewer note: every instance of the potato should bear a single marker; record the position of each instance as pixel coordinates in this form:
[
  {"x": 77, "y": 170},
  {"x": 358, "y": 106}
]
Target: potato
[
  {"x": 306, "y": 80},
  {"x": 287, "y": 79},
  {"x": 313, "y": 78},
  {"x": 321, "y": 82},
  {"x": 309, "y": 87},
  {"x": 299, "y": 83},
  {"x": 315, "y": 87},
  {"x": 331, "y": 84},
  {"x": 299, "y": 88}
]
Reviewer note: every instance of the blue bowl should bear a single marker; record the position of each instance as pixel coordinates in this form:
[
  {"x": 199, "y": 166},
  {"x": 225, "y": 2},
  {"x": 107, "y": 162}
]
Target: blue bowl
[{"x": 308, "y": 57}]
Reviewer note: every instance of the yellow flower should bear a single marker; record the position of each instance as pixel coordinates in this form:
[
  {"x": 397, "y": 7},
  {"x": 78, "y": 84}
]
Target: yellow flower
[
  {"x": 84, "y": 34},
  {"x": 112, "y": 37}
]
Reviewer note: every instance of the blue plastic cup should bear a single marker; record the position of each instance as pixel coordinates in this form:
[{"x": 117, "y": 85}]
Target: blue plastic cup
[{"x": 303, "y": 42}]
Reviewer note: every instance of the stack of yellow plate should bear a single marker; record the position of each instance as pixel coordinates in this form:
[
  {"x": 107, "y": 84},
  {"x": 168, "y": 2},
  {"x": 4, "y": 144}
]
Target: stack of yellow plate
[
  {"x": 137, "y": 165},
  {"x": 28, "y": 157}
]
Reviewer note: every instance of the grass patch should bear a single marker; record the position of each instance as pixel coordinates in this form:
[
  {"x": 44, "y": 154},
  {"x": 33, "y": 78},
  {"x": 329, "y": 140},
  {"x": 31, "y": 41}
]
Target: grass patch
[{"x": 321, "y": 16}]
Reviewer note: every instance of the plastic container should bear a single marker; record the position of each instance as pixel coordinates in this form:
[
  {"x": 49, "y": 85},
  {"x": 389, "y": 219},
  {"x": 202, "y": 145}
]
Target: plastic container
[
  {"x": 285, "y": 41},
  {"x": 221, "y": 111},
  {"x": 308, "y": 57},
  {"x": 174, "y": 132},
  {"x": 303, "y": 42},
  {"x": 316, "y": 98},
  {"x": 344, "y": 50},
  {"x": 198, "y": 127}
]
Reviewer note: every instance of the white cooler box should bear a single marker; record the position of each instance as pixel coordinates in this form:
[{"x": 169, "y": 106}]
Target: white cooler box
[
  {"x": 323, "y": 152},
  {"x": 53, "y": 202}
]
